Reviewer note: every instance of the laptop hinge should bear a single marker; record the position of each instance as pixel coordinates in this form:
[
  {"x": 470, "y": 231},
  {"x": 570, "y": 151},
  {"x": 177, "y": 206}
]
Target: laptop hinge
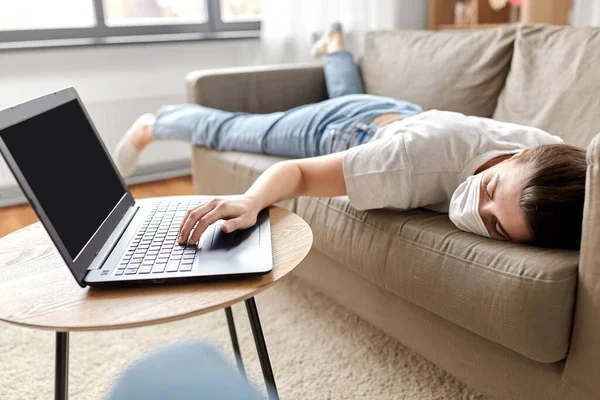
[{"x": 113, "y": 239}]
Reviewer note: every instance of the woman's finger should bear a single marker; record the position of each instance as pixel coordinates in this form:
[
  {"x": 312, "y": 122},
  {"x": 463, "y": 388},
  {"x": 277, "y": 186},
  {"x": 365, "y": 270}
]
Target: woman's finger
[
  {"x": 234, "y": 224},
  {"x": 185, "y": 217},
  {"x": 193, "y": 217},
  {"x": 219, "y": 212}
]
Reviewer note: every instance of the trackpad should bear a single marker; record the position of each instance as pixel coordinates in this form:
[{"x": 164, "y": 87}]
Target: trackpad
[{"x": 246, "y": 237}]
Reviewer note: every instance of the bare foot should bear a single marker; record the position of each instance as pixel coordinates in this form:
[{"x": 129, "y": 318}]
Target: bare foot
[
  {"x": 335, "y": 42},
  {"x": 142, "y": 131},
  {"x": 137, "y": 137},
  {"x": 330, "y": 42}
]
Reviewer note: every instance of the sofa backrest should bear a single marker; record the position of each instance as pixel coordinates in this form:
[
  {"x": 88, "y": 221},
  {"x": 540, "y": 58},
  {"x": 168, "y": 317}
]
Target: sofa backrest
[
  {"x": 554, "y": 82},
  {"x": 456, "y": 71}
]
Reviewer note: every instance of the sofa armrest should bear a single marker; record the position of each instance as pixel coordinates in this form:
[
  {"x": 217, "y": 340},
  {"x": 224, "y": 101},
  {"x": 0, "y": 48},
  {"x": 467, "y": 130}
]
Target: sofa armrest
[
  {"x": 257, "y": 89},
  {"x": 582, "y": 369}
]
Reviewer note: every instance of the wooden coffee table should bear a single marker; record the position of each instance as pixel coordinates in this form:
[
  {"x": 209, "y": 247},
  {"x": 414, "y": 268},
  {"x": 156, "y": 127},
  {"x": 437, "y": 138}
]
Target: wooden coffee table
[{"x": 38, "y": 291}]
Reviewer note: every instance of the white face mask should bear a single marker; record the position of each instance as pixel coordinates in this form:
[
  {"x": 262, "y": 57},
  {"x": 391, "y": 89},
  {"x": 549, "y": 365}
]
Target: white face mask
[{"x": 464, "y": 207}]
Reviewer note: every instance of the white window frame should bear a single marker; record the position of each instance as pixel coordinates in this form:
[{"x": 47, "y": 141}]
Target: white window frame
[{"x": 213, "y": 28}]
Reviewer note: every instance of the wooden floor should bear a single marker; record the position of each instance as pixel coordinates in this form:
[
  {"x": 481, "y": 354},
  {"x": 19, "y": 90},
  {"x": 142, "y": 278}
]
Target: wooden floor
[{"x": 13, "y": 218}]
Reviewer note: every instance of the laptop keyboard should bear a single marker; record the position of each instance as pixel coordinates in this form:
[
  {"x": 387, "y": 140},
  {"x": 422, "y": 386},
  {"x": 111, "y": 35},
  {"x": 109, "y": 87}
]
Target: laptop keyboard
[{"x": 154, "y": 248}]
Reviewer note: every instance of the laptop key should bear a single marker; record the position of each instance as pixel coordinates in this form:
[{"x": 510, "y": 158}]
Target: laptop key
[
  {"x": 158, "y": 268},
  {"x": 172, "y": 266},
  {"x": 185, "y": 267},
  {"x": 119, "y": 272},
  {"x": 131, "y": 271},
  {"x": 145, "y": 269}
]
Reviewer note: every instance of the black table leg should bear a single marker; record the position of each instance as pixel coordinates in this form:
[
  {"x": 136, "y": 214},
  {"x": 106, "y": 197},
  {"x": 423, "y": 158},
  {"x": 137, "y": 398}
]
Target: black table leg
[
  {"x": 234, "y": 341},
  {"x": 261, "y": 348},
  {"x": 61, "y": 377}
]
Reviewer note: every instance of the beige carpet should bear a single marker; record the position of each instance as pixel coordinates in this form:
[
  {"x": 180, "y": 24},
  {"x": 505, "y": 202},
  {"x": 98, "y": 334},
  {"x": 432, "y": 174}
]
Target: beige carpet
[{"x": 318, "y": 351}]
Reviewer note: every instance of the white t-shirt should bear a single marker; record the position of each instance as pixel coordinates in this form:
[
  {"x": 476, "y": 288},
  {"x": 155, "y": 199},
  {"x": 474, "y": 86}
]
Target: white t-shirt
[{"x": 421, "y": 160}]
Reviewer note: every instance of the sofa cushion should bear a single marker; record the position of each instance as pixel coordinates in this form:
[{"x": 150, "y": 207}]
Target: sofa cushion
[
  {"x": 518, "y": 296},
  {"x": 457, "y": 71},
  {"x": 554, "y": 82}
]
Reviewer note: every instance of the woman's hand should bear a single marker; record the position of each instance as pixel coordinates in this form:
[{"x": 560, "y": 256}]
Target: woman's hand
[{"x": 240, "y": 213}]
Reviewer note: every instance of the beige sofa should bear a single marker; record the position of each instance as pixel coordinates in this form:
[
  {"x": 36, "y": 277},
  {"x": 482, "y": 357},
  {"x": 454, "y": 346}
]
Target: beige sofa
[{"x": 512, "y": 321}]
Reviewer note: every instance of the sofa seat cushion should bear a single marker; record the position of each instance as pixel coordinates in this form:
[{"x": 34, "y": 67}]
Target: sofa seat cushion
[
  {"x": 518, "y": 296},
  {"x": 554, "y": 82}
]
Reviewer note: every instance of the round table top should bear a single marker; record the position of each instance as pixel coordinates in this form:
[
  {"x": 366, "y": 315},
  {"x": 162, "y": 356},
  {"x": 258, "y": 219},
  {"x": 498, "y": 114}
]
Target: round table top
[{"x": 37, "y": 289}]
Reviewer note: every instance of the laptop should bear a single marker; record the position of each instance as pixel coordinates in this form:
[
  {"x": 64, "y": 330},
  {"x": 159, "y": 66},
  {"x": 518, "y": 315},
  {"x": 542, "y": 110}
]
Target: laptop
[{"x": 105, "y": 237}]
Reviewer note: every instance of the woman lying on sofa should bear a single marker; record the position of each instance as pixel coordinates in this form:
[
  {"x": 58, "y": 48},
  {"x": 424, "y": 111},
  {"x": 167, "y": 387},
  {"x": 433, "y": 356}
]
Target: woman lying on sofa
[{"x": 499, "y": 180}]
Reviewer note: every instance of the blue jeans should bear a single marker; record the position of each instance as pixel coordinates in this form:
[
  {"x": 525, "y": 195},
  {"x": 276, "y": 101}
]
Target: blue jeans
[
  {"x": 190, "y": 371},
  {"x": 311, "y": 130}
]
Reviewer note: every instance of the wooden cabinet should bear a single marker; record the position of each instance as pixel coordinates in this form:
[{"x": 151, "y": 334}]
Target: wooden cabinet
[
  {"x": 546, "y": 11},
  {"x": 442, "y": 13}
]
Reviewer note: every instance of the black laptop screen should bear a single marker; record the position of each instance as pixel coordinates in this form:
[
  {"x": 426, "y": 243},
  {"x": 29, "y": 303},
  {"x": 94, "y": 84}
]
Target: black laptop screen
[{"x": 68, "y": 170}]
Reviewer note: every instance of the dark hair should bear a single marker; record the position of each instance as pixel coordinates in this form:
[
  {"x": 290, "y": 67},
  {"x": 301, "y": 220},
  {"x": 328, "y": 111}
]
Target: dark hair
[{"x": 553, "y": 194}]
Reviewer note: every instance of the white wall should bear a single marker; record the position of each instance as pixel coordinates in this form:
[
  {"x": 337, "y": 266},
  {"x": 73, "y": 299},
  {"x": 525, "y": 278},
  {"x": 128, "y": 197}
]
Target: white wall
[
  {"x": 586, "y": 13},
  {"x": 412, "y": 15}
]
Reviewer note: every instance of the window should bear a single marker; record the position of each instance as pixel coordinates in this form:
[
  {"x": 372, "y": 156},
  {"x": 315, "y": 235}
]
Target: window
[
  {"x": 16, "y": 15},
  {"x": 155, "y": 12},
  {"x": 240, "y": 10},
  {"x": 106, "y": 21}
]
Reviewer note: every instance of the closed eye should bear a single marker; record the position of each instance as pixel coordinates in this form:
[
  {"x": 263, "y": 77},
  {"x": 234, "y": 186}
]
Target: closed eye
[
  {"x": 495, "y": 181},
  {"x": 487, "y": 193},
  {"x": 495, "y": 228}
]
